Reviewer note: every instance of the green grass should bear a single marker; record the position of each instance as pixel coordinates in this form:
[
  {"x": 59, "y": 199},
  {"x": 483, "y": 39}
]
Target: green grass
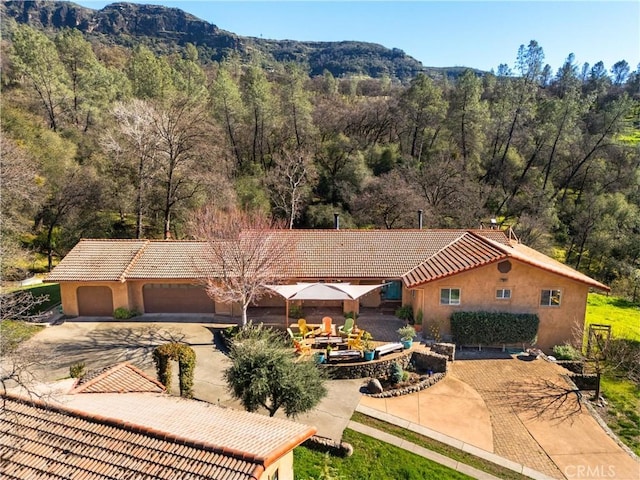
[
  {"x": 14, "y": 332},
  {"x": 622, "y": 315},
  {"x": 623, "y": 396},
  {"x": 623, "y": 410},
  {"x": 439, "y": 447},
  {"x": 371, "y": 459},
  {"x": 50, "y": 289}
]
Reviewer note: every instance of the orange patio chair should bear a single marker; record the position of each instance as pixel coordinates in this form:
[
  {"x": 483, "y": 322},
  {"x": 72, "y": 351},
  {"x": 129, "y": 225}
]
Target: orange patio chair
[{"x": 327, "y": 326}]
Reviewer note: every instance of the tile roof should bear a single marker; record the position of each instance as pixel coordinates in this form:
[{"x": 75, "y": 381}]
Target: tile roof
[
  {"x": 416, "y": 256},
  {"x": 40, "y": 441},
  {"x": 120, "y": 378},
  {"x": 97, "y": 260},
  {"x": 138, "y": 435},
  {"x": 464, "y": 253}
]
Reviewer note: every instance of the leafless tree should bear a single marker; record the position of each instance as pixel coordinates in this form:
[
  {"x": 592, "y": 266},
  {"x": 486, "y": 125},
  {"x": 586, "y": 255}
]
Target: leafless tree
[
  {"x": 289, "y": 183},
  {"x": 17, "y": 305},
  {"x": 246, "y": 252},
  {"x": 134, "y": 141}
]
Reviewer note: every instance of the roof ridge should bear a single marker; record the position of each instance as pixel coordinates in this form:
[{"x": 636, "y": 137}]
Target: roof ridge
[
  {"x": 141, "y": 429},
  {"x": 134, "y": 259},
  {"x": 79, "y": 388},
  {"x": 435, "y": 254}
]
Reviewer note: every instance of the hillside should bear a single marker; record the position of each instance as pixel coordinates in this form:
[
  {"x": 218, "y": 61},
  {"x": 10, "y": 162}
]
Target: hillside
[{"x": 167, "y": 29}]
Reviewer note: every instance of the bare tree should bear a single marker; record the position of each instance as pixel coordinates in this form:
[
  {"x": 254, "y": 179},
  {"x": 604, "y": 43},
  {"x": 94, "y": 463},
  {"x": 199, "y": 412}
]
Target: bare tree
[
  {"x": 134, "y": 140},
  {"x": 289, "y": 183},
  {"x": 247, "y": 251}
]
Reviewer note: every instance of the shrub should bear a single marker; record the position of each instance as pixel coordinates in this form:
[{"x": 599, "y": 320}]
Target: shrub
[
  {"x": 566, "y": 352},
  {"x": 494, "y": 328},
  {"x": 77, "y": 370},
  {"x": 419, "y": 317},
  {"x": 405, "y": 313},
  {"x": 396, "y": 373},
  {"x": 296, "y": 311},
  {"x": 122, "y": 313},
  {"x": 353, "y": 315}
]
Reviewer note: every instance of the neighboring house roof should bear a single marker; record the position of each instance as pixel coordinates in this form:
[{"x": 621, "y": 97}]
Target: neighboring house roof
[
  {"x": 416, "y": 256},
  {"x": 141, "y": 435},
  {"x": 119, "y": 378}
]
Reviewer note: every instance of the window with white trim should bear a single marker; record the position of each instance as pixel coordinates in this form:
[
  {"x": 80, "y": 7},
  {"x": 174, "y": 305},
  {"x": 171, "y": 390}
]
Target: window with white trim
[
  {"x": 503, "y": 294},
  {"x": 550, "y": 298},
  {"x": 449, "y": 296}
]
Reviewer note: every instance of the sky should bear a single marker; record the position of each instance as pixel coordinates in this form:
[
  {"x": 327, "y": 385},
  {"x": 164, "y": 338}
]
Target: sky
[{"x": 478, "y": 34}]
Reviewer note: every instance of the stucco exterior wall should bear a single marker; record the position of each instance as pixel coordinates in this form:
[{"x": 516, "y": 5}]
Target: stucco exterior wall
[
  {"x": 478, "y": 292},
  {"x": 284, "y": 466},
  {"x": 69, "y": 295}
]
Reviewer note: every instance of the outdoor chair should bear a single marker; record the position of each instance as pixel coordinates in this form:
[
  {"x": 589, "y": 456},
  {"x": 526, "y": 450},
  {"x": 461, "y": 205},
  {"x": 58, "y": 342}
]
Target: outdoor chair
[
  {"x": 354, "y": 341},
  {"x": 293, "y": 336},
  {"x": 302, "y": 347},
  {"x": 306, "y": 330},
  {"x": 327, "y": 326},
  {"x": 346, "y": 329}
]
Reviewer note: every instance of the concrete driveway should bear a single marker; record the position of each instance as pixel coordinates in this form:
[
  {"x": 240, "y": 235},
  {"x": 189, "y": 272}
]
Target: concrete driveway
[{"x": 103, "y": 343}]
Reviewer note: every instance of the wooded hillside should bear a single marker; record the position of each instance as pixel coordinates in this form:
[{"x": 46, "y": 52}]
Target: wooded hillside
[{"x": 100, "y": 140}]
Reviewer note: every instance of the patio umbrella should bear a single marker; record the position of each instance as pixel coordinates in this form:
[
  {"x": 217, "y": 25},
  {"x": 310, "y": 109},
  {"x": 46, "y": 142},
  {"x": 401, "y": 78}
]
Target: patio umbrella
[{"x": 321, "y": 291}]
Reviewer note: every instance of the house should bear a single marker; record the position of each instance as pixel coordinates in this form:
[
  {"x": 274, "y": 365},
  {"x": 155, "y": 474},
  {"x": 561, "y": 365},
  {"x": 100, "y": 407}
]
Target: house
[
  {"x": 436, "y": 271},
  {"x": 118, "y": 423}
]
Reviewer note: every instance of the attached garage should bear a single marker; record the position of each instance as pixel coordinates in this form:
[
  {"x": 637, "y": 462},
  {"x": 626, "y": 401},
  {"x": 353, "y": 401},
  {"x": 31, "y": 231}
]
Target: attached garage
[
  {"x": 95, "y": 301},
  {"x": 176, "y": 298}
]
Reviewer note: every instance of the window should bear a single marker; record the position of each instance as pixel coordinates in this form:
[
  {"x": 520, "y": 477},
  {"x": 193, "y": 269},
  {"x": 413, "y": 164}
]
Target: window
[
  {"x": 550, "y": 298},
  {"x": 450, "y": 296},
  {"x": 503, "y": 293}
]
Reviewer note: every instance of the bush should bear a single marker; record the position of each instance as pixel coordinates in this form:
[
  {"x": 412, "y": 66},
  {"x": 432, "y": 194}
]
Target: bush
[
  {"x": 353, "y": 315},
  {"x": 396, "y": 373},
  {"x": 494, "y": 328},
  {"x": 566, "y": 352},
  {"x": 122, "y": 313},
  {"x": 405, "y": 313},
  {"x": 77, "y": 370},
  {"x": 296, "y": 311}
]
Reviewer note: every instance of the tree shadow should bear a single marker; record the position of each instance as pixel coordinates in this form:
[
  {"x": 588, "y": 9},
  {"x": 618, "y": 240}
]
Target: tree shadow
[
  {"x": 544, "y": 399},
  {"x": 102, "y": 347}
]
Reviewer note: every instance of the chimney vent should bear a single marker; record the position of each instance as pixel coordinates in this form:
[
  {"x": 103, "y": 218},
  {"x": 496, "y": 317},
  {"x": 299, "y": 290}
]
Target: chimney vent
[
  {"x": 420, "y": 219},
  {"x": 336, "y": 221}
]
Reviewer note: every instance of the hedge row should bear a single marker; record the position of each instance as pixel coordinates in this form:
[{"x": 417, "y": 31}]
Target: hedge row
[{"x": 494, "y": 328}]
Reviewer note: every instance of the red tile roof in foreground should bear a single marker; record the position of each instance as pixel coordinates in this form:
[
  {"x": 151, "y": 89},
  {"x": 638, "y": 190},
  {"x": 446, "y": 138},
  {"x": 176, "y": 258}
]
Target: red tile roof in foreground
[
  {"x": 120, "y": 378},
  {"x": 193, "y": 440},
  {"x": 416, "y": 256}
]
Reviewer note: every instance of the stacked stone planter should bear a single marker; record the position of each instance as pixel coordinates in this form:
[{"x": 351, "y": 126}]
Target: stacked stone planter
[{"x": 375, "y": 368}]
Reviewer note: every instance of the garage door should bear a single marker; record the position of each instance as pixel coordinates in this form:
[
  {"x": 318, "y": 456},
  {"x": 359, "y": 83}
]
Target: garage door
[
  {"x": 178, "y": 298},
  {"x": 95, "y": 302}
]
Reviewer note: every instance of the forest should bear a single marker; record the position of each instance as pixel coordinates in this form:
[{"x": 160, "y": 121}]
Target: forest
[{"x": 106, "y": 141}]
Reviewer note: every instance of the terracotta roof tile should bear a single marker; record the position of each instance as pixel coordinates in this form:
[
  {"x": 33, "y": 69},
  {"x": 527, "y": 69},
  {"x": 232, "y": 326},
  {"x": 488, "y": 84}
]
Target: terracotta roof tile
[
  {"x": 257, "y": 436},
  {"x": 466, "y": 252},
  {"x": 43, "y": 442},
  {"x": 417, "y": 256},
  {"x": 120, "y": 378},
  {"x": 97, "y": 260}
]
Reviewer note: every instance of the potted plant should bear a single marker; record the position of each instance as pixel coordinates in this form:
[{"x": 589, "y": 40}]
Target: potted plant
[
  {"x": 319, "y": 357},
  {"x": 407, "y": 334},
  {"x": 369, "y": 352},
  {"x": 419, "y": 318},
  {"x": 405, "y": 312}
]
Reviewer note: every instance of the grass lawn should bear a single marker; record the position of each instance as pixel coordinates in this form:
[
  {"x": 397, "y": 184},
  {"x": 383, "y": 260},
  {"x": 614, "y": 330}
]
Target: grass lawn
[
  {"x": 622, "y": 315},
  {"x": 371, "y": 459},
  {"x": 623, "y": 396},
  {"x": 14, "y": 332},
  {"x": 50, "y": 289}
]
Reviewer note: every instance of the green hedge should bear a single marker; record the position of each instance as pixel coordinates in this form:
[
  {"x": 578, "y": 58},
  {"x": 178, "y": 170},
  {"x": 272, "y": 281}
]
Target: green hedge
[{"x": 494, "y": 328}]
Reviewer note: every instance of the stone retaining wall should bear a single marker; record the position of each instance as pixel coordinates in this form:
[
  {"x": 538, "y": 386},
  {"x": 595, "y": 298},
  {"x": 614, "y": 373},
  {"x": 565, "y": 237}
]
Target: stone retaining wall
[
  {"x": 426, "y": 383},
  {"x": 448, "y": 349},
  {"x": 430, "y": 361},
  {"x": 375, "y": 368}
]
